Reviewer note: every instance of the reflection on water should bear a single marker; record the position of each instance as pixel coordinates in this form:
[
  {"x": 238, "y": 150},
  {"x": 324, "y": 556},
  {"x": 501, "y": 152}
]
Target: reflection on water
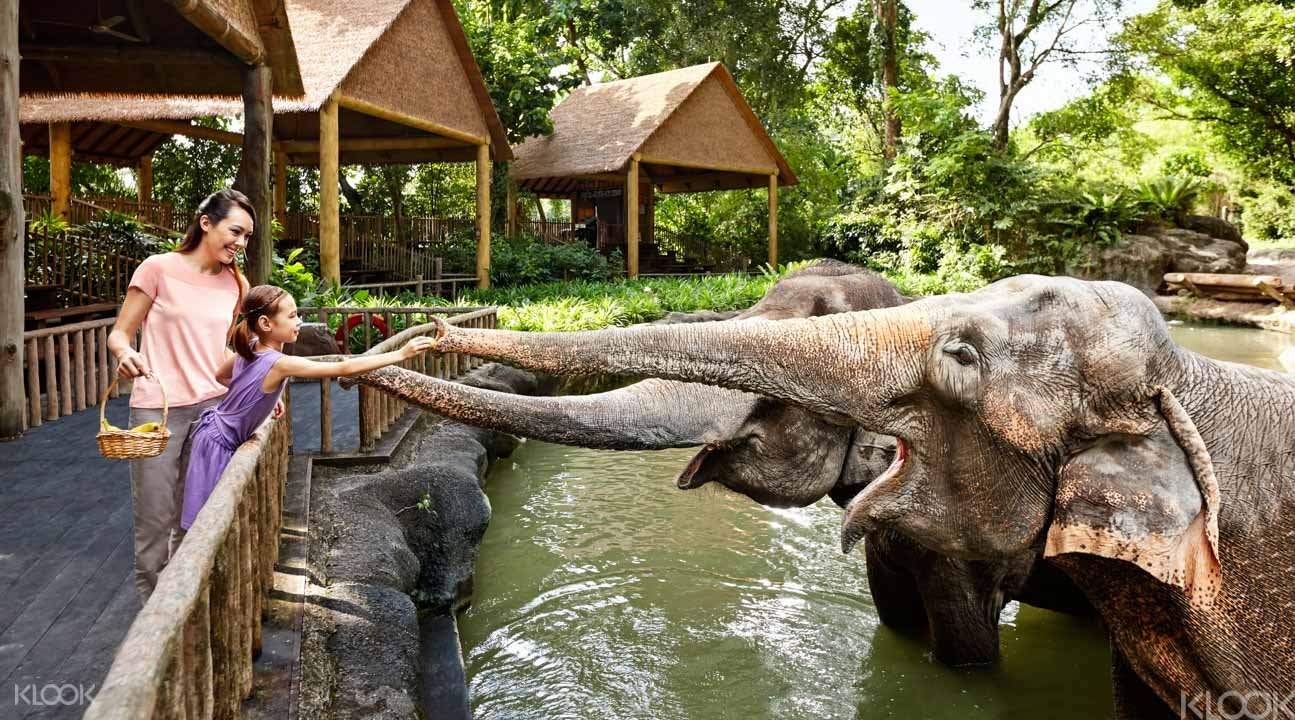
[
  {"x": 1244, "y": 345},
  {"x": 604, "y": 592}
]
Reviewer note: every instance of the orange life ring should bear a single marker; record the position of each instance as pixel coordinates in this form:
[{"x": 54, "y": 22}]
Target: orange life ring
[{"x": 354, "y": 319}]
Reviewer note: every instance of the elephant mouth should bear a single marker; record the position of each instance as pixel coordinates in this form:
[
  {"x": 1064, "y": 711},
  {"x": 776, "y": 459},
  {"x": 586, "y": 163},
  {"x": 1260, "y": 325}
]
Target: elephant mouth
[
  {"x": 687, "y": 479},
  {"x": 856, "y": 524}
]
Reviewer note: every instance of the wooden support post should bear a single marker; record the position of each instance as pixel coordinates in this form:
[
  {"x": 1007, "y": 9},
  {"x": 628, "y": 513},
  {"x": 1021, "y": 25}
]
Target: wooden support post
[
  {"x": 632, "y": 219},
  {"x": 483, "y": 215},
  {"x": 144, "y": 179},
  {"x": 11, "y": 237},
  {"x": 253, "y": 177},
  {"x": 510, "y": 227},
  {"x": 281, "y": 187},
  {"x": 330, "y": 259},
  {"x": 773, "y": 220},
  {"x": 60, "y": 169}
]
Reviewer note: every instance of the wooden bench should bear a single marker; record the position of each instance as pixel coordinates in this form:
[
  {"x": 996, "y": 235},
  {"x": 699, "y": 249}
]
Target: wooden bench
[
  {"x": 1245, "y": 288},
  {"x": 57, "y": 316}
]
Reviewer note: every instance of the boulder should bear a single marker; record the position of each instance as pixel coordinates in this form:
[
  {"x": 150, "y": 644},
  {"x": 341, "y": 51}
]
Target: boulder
[
  {"x": 313, "y": 339},
  {"x": 1142, "y": 260}
]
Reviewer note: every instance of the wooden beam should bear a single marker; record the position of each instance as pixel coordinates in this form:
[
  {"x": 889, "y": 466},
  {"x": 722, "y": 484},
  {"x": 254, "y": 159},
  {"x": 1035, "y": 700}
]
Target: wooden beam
[
  {"x": 11, "y": 231},
  {"x": 773, "y": 220},
  {"x": 213, "y": 22},
  {"x": 144, "y": 178},
  {"x": 330, "y": 260},
  {"x": 175, "y": 127},
  {"x": 281, "y": 186},
  {"x": 60, "y": 169},
  {"x": 632, "y": 219},
  {"x": 368, "y": 108},
  {"x": 483, "y": 215},
  {"x": 125, "y": 55},
  {"x": 253, "y": 177},
  {"x": 510, "y": 224},
  {"x": 714, "y": 167},
  {"x": 374, "y": 144}
]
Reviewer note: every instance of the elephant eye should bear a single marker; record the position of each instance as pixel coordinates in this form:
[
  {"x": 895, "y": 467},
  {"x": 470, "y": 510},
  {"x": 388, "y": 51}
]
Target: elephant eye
[{"x": 963, "y": 353}]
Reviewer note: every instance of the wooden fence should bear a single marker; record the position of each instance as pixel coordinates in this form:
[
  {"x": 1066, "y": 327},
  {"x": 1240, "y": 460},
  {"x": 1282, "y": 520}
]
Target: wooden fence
[
  {"x": 160, "y": 215},
  {"x": 189, "y": 652},
  {"x": 67, "y": 369},
  {"x": 552, "y": 232},
  {"x": 407, "y": 249},
  {"x": 83, "y": 267},
  {"x": 371, "y": 328}
]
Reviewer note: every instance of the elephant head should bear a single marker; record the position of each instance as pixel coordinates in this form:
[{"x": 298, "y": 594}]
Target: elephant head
[{"x": 1035, "y": 414}]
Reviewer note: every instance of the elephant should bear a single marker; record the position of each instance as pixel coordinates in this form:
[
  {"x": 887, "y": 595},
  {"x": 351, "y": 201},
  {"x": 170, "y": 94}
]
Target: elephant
[
  {"x": 780, "y": 455},
  {"x": 1042, "y": 414}
]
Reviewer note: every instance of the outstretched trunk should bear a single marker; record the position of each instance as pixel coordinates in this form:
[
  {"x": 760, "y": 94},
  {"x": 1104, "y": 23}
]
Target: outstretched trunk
[
  {"x": 837, "y": 365},
  {"x": 649, "y": 415}
]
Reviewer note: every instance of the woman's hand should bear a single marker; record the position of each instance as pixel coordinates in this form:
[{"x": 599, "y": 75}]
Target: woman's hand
[
  {"x": 132, "y": 364},
  {"x": 417, "y": 346}
]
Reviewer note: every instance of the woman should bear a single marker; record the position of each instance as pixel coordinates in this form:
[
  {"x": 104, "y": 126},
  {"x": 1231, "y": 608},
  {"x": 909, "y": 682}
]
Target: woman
[{"x": 183, "y": 303}]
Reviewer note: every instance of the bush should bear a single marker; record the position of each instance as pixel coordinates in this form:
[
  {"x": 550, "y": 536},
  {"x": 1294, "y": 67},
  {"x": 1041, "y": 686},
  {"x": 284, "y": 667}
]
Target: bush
[
  {"x": 291, "y": 274},
  {"x": 1268, "y": 214}
]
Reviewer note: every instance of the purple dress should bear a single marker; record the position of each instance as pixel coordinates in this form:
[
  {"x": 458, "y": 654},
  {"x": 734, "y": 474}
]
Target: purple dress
[{"x": 219, "y": 431}]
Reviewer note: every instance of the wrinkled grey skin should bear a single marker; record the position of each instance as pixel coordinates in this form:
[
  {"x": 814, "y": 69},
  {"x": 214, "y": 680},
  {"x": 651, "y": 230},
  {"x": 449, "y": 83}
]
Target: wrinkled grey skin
[
  {"x": 1045, "y": 414},
  {"x": 780, "y": 455}
]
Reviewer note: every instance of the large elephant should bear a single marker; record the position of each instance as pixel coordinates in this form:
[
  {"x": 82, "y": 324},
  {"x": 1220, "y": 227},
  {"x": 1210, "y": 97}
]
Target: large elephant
[
  {"x": 780, "y": 455},
  {"x": 1045, "y": 414}
]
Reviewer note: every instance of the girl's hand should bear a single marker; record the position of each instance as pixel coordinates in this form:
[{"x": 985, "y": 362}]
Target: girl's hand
[
  {"x": 278, "y": 410},
  {"x": 417, "y": 346},
  {"x": 132, "y": 364}
]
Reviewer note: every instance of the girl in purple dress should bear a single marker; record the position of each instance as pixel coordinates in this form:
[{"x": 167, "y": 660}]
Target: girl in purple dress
[{"x": 256, "y": 376}]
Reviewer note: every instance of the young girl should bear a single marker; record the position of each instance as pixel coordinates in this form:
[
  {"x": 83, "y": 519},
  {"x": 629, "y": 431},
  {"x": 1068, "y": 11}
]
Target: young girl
[{"x": 256, "y": 376}]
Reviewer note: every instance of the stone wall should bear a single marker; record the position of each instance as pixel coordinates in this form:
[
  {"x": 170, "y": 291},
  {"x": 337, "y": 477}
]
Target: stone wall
[{"x": 1203, "y": 245}]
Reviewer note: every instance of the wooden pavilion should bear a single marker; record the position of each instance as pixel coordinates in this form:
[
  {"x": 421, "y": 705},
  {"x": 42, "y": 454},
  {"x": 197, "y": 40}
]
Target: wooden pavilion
[
  {"x": 616, "y": 144},
  {"x": 385, "y": 81},
  {"x": 73, "y": 47}
]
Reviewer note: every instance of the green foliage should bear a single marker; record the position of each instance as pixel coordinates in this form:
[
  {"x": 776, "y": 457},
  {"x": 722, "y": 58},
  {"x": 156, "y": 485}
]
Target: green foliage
[
  {"x": 291, "y": 274},
  {"x": 1268, "y": 215},
  {"x": 87, "y": 178},
  {"x": 529, "y": 260},
  {"x": 48, "y": 222},
  {"x": 1169, "y": 197},
  {"x": 186, "y": 170}
]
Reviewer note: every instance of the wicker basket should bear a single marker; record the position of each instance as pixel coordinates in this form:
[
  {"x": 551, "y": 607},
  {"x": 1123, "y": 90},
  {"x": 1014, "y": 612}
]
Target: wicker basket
[{"x": 118, "y": 444}]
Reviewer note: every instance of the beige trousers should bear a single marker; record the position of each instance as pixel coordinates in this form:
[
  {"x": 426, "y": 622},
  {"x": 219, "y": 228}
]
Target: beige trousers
[{"x": 157, "y": 493}]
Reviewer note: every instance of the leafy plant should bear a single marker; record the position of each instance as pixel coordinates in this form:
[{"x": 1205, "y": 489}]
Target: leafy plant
[
  {"x": 1169, "y": 197},
  {"x": 48, "y": 222},
  {"x": 291, "y": 275}
]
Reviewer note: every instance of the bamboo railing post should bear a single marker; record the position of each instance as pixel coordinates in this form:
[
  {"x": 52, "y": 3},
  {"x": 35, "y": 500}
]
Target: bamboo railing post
[
  {"x": 325, "y": 416},
  {"x": 33, "y": 384},
  {"x": 226, "y": 700},
  {"x": 78, "y": 369},
  {"x": 246, "y": 603}
]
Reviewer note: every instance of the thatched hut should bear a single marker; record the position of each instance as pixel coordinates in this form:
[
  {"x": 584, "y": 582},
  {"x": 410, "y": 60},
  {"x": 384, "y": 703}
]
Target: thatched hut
[
  {"x": 614, "y": 145},
  {"x": 72, "y": 47},
  {"x": 385, "y": 81}
]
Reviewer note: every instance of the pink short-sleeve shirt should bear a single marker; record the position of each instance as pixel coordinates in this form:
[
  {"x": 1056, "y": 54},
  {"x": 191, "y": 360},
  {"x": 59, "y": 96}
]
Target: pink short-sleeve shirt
[{"x": 184, "y": 333}]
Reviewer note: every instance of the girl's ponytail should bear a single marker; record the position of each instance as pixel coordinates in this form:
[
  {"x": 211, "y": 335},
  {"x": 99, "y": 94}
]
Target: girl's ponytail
[{"x": 262, "y": 300}]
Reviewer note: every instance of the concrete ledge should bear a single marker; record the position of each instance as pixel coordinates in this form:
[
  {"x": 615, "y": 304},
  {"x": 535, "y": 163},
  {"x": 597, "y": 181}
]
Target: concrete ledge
[{"x": 1260, "y": 315}]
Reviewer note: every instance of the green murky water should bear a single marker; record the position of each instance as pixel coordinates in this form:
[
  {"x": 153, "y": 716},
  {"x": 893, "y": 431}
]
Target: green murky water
[{"x": 604, "y": 592}]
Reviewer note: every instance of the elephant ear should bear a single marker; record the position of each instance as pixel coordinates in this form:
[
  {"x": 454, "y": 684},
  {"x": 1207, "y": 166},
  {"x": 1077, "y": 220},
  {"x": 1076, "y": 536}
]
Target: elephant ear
[{"x": 1150, "y": 499}]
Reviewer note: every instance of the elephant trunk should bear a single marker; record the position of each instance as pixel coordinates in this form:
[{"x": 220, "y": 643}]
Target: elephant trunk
[
  {"x": 649, "y": 415},
  {"x": 839, "y": 365}
]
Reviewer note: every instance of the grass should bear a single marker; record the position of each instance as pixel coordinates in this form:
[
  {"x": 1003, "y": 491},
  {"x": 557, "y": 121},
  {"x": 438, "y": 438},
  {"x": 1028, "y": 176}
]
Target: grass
[{"x": 586, "y": 305}]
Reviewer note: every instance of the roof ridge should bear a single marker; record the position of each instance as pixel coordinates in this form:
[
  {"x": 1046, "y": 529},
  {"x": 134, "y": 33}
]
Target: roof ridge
[
  {"x": 365, "y": 52},
  {"x": 665, "y": 117}
]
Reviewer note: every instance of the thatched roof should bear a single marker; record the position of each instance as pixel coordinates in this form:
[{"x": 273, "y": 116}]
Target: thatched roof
[
  {"x": 686, "y": 123},
  {"x": 409, "y": 57},
  {"x": 124, "y": 46}
]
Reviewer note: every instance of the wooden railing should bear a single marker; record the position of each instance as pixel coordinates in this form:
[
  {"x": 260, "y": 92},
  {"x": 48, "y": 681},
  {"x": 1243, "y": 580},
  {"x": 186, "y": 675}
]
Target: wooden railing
[
  {"x": 34, "y": 205},
  {"x": 379, "y": 410},
  {"x": 69, "y": 366},
  {"x": 370, "y": 328},
  {"x": 189, "y": 652},
  {"x": 552, "y": 232},
  {"x": 406, "y": 249},
  {"x": 160, "y": 215},
  {"x": 83, "y": 267}
]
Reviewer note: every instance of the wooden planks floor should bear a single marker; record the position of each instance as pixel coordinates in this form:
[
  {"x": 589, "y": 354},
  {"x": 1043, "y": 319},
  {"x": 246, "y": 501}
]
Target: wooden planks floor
[{"x": 67, "y": 591}]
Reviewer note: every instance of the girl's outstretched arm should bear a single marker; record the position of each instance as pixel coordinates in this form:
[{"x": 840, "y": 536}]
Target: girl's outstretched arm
[{"x": 292, "y": 366}]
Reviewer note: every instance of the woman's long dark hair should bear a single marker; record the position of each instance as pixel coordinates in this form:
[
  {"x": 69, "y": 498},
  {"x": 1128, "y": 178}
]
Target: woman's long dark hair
[
  {"x": 262, "y": 301},
  {"x": 216, "y": 207}
]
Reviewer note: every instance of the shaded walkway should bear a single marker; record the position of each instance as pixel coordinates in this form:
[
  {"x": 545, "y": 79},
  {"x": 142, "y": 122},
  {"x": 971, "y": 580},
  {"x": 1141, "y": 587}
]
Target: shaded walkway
[{"x": 67, "y": 592}]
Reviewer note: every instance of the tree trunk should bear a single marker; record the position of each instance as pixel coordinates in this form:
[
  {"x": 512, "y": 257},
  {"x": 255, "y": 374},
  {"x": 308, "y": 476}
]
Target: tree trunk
[
  {"x": 11, "y": 231},
  {"x": 253, "y": 178},
  {"x": 885, "y": 12}
]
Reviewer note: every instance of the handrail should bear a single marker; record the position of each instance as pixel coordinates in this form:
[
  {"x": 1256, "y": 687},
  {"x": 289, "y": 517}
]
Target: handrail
[
  {"x": 77, "y": 368},
  {"x": 189, "y": 651}
]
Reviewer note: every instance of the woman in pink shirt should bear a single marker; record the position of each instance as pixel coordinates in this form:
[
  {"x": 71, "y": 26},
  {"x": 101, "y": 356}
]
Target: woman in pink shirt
[{"x": 183, "y": 304}]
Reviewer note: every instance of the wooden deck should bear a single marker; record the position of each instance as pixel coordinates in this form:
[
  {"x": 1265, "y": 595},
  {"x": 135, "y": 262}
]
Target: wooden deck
[{"x": 67, "y": 590}]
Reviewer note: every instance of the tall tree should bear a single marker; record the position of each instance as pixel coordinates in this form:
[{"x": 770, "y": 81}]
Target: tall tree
[
  {"x": 1030, "y": 33},
  {"x": 884, "y": 10},
  {"x": 1232, "y": 65}
]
